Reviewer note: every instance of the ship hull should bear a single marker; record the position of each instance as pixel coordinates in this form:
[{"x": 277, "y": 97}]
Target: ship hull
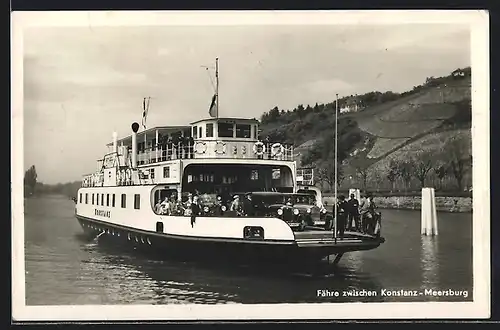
[{"x": 308, "y": 246}]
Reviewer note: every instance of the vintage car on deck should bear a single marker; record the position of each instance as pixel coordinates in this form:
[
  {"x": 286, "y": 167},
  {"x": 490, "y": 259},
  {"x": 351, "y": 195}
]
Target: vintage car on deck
[
  {"x": 325, "y": 218},
  {"x": 278, "y": 205},
  {"x": 309, "y": 210}
]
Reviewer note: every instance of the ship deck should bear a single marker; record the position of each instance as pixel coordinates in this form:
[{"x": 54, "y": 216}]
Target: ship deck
[{"x": 316, "y": 237}]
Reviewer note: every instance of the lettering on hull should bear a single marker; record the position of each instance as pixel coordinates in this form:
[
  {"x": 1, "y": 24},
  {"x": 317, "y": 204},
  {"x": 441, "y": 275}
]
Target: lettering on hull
[{"x": 103, "y": 213}]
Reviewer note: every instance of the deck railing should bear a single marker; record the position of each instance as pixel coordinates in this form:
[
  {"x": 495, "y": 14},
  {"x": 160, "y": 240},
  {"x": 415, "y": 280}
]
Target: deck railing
[{"x": 215, "y": 150}]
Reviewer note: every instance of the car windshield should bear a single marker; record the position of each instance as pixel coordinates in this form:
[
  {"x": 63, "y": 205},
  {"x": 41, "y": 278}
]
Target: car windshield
[{"x": 304, "y": 199}]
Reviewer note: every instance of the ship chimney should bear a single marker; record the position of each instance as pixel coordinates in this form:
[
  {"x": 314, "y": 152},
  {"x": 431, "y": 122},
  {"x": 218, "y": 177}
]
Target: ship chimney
[
  {"x": 135, "y": 128},
  {"x": 115, "y": 142}
]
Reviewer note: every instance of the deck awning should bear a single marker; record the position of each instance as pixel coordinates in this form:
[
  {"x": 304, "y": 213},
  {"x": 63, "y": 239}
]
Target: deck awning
[{"x": 151, "y": 134}]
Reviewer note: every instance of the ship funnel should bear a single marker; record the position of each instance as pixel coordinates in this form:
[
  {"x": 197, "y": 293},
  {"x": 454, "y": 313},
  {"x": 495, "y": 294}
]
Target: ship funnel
[
  {"x": 135, "y": 128},
  {"x": 115, "y": 142}
]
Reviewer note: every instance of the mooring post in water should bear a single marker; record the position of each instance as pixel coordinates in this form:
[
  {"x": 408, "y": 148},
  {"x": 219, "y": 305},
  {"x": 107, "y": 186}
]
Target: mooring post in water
[{"x": 429, "y": 224}]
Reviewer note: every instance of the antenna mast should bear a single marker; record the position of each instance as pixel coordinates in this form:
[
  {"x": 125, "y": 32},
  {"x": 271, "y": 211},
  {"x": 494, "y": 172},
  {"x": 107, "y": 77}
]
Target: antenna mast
[{"x": 217, "y": 84}]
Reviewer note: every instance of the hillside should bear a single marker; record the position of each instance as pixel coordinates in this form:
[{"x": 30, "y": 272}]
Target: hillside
[{"x": 393, "y": 142}]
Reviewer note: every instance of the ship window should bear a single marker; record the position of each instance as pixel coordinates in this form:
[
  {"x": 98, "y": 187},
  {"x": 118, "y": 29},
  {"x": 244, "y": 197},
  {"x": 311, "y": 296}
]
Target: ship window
[
  {"x": 81, "y": 198},
  {"x": 97, "y": 201},
  {"x": 166, "y": 171},
  {"x": 137, "y": 201},
  {"x": 276, "y": 174},
  {"x": 152, "y": 173},
  {"x": 86, "y": 198},
  {"x": 195, "y": 132},
  {"x": 210, "y": 130},
  {"x": 124, "y": 201},
  {"x": 243, "y": 131},
  {"x": 113, "y": 201},
  {"x": 225, "y": 130},
  {"x": 254, "y": 175},
  {"x": 153, "y": 144},
  {"x": 102, "y": 199},
  {"x": 92, "y": 199},
  {"x": 254, "y": 135},
  {"x": 200, "y": 132},
  {"x": 107, "y": 199}
]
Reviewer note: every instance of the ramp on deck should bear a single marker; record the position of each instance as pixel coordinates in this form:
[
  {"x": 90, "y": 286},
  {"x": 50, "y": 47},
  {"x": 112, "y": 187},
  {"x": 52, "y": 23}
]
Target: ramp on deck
[{"x": 322, "y": 238}]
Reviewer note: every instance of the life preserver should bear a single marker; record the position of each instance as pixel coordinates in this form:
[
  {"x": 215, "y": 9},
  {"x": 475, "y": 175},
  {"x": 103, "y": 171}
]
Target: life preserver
[
  {"x": 259, "y": 148},
  {"x": 220, "y": 147},
  {"x": 200, "y": 147},
  {"x": 280, "y": 149}
]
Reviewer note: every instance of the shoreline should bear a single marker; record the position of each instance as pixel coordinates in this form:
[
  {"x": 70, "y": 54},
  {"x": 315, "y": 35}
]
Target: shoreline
[{"x": 443, "y": 204}]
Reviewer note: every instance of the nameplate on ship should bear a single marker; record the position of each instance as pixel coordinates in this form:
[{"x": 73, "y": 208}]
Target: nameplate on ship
[{"x": 103, "y": 213}]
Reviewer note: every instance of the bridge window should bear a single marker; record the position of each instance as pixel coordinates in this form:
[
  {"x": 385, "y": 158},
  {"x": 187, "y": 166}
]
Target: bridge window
[
  {"x": 92, "y": 199},
  {"x": 107, "y": 199},
  {"x": 243, "y": 131},
  {"x": 137, "y": 201},
  {"x": 113, "y": 201},
  {"x": 200, "y": 132},
  {"x": 166, "y": 171},
  {"x": 210, "y": 130},
  {"x": 102, "y": 199},
  {"x": 195, "y": 132},
  {"x": 86, "y": 198},
  {"x": 124, "y": 201},
  {"x": 225, "y": 130},
  {"x": 81, "y": 198},
  {"x": 97, "y": 201}
]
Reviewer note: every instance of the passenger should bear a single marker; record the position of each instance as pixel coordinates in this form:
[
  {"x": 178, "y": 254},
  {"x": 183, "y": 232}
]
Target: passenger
[
  {"x": 353, "y": 213},
  {"x": 236, "y": 206},
  {"x": 248, "y": 205},
  {"x": 158, "y": 206},
  {"x": 371, "y": 215},
  {"x": 364, "y": 211},
  {"x": 218, "y": 206},
  {"x": 195, "y": 210},
  {"x": 172, "y": 204},
  {"x": 341, "y": 215},
  {"x": 165, "y": 207}
]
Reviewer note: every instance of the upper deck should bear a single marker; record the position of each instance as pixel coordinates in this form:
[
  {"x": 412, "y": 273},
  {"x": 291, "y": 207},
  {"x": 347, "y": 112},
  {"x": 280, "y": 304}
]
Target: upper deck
[{"x": 214, "y": 138}]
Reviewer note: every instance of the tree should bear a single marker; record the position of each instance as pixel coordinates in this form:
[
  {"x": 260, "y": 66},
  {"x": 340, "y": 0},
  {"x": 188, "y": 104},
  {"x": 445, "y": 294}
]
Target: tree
[
  {"x": 392, "y": 173},
  {"x": 405, "y": 172},
  {"x": 457, "y": 152},
  {"x": 422, "y": 165},
  {"x": 362, "y": 172},
  {"x": 441, "y": 171},
  {"x": 30, "y": 178},
  {"x": 326, "y": 173}
]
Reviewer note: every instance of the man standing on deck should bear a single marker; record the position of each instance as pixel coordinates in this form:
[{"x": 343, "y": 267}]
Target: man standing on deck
[
  {"x": 353, "y": 213},
  {"x": 364, "y": 211},
  {"x": 341, "y": 215}
]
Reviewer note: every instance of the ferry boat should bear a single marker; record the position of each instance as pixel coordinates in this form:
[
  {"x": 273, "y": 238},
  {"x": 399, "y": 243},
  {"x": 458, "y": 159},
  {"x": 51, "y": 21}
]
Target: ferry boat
[{"x": 209, "y": 188}]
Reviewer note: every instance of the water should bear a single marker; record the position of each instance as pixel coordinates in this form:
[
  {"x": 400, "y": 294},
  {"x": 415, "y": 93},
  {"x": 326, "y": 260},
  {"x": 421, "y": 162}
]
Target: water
[{"x": 63, "y": 268}]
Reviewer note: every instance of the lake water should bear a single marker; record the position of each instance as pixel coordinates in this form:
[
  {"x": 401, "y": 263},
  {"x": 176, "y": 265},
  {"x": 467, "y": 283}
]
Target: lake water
[{"x": 64, "y": 268}]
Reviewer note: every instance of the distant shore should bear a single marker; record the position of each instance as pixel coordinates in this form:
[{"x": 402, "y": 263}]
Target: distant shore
[{"x": 443, "y": 204}]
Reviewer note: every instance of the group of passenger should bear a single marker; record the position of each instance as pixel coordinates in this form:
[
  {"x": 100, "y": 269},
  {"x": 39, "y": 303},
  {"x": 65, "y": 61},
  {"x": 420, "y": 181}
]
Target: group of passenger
[
  {"x": 176, "y": 147},
  {"x": 354, "y": 215}
]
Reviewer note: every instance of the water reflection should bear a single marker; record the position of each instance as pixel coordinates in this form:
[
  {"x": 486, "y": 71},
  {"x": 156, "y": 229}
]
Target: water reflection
[
  {"x": 429, "y": 261},
  {"x": 167, "y": 280}
]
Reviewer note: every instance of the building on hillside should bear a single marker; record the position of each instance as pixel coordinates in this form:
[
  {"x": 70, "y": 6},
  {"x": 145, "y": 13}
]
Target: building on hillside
[
  {"x": 352, "y": 104},
  {"x": 460, "y": 73}
]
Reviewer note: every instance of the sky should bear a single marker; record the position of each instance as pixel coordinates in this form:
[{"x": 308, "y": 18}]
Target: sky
[{"x": 82, "y": 83}]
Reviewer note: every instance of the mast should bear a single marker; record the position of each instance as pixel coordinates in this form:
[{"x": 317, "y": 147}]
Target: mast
[
  {"x": 336, "y": 139},
  {"x": 217, "y": 85}
]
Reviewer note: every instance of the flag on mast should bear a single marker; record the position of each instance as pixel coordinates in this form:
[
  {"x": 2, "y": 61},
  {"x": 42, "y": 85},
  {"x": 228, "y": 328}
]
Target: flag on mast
[
  {"x": 213, "y": 110},
  {"x": 145, "y": 107}
]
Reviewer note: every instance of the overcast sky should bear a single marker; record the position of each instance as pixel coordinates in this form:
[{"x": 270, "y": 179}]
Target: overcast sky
[{"x": 81, "y": 84}]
